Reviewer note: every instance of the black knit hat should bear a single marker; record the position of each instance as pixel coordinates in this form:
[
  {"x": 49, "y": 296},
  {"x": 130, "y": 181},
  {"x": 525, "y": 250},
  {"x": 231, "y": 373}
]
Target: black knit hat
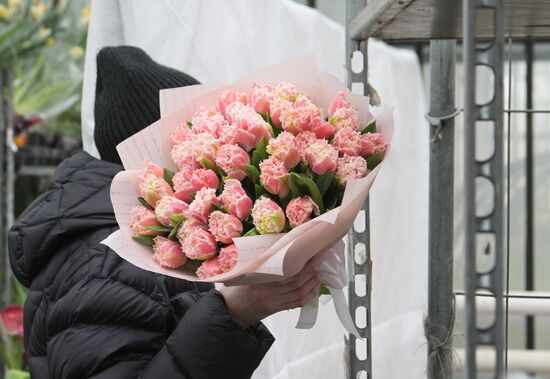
[{"x": 127, "y": 95}]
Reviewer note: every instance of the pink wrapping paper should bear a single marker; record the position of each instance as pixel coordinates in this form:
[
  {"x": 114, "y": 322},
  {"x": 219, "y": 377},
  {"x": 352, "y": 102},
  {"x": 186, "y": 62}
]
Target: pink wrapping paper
[{"x": 264, "y": 258}]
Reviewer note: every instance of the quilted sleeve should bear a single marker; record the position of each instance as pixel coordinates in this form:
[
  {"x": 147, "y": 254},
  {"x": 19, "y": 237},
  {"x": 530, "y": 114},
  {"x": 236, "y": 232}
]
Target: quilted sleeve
[{"x": 103, "y": 328}]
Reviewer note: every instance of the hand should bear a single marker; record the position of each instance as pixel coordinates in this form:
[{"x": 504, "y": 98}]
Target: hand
[{"x": 249, "y": 304}]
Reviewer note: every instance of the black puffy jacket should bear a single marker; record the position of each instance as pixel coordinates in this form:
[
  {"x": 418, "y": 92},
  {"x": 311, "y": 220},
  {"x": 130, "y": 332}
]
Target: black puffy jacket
[{"x": 91, "y": 314}]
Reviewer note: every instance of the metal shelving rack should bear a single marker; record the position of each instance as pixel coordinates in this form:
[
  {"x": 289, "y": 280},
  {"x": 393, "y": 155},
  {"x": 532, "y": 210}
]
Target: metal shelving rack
[
  {"x": 359, "y": 261},
  {"x": 443, "y": 22}
]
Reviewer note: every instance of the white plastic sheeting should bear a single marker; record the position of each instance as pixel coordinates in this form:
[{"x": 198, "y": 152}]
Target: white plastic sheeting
[{"x": 217, "y": 42}]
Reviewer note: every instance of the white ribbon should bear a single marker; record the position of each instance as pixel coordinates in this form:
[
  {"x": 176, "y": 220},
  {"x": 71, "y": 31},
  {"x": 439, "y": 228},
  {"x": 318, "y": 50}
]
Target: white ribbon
[{"x": 334, "y": 275}]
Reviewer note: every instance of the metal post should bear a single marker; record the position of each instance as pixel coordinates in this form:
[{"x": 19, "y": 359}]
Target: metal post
[
  {"x": 10, "y": 150},
  {"x": 529, "y": 195},
  {"x": 477, "y": 224},
  {"x": 3, "y": 147},
  {"x": 440, "y": 320},
  {"x": 359, "y": 264}
]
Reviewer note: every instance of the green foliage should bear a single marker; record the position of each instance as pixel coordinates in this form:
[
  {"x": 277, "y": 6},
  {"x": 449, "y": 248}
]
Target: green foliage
[
  {"x": 159, "y": 228},
  {"x": 19, "y": 293},
  {"x": 370, "y": 128},
  {"x": 374, "y": 160},
  {"x": 147, "y": 241},
  {"x": 176, "y": 219},
  {"x": 323, "y": 289},
  {"x": 303, "y": 184},
  {"x": 324, "y": 181},
  {"x": 253, "y": 173},
  {"x": 17, "y": 374},
  {"x": 168, "y": 176},
  {"x": 145, "y": 203},
  {"x": 259, "y": 190},
  {"x": 43, "y": 42},
  {"x": 251, "y": 232},
  {"x": 174, "y": 233},
  {"x": 259, "y": 153}
]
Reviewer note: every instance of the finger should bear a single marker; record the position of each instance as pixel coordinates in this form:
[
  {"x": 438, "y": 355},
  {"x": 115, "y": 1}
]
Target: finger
[
  {"x": 300, "y": 281},
  {"x": 306, "y": 272},
  {"x": 301, "y": 302},
  {"x": 312, "y": 264},
  {"x": 300, "y": 296}
]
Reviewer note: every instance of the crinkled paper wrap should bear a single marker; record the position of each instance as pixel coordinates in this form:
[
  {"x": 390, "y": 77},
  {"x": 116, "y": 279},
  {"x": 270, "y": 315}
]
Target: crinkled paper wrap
[{"x": 264, "y": 258}]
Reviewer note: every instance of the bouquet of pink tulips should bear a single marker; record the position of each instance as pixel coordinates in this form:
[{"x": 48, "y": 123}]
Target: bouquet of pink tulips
[
  {"x": 259, "y": 162},
  {"x": 247, "y": 182}
]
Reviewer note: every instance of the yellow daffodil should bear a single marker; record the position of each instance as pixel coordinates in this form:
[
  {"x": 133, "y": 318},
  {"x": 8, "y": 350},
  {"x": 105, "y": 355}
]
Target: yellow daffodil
[
  {"x": 50, "y": 41},
  {"x": 38, "y": 10},
  {"x": 76, "y": 52},
  {"x": 43, "y": 33},
  {"x": 85, "y": 15},
  {"x": 5, "y": 12}
]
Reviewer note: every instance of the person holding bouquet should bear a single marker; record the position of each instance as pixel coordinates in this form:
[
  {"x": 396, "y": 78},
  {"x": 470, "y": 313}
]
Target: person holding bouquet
[{"x": 90, "y": 313}]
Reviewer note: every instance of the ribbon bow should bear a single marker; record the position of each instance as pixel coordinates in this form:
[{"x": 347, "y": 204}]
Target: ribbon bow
[{"x": 333, "y": 274}]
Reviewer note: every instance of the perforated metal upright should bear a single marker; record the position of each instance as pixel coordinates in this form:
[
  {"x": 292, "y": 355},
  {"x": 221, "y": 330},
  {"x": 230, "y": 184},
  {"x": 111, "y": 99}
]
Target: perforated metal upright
[
  {"x": 484, "y": 230},
  {"x": 360, "y": 357}
]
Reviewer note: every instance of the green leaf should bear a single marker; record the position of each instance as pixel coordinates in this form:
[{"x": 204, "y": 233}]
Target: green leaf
[
  {"x": 253, "y": 173},
  {"x": 260, "y": 152},
  {"x": 276, "y": 131},
  {"x": 221, "y": 173},
  {"x": 248, "y": 187},
  {"x": 19, "y": 293},
  {"x": 247, "y": 224},
  {"x": 3, "y": 353},
  {"x": 256, "y": 159},
  {"x": 266, "y": 117},
  {"x": 190, "y": 124},
  {"x": 302, "y": 168},
  {"x": 145, "y": 204},
  {"x": 271, "y": 130},
  {"x": 287, "y": 228},
  {"x": 305, "y": 182},
  {"x": 261, "y": 146},
  {"x": 28, "y": 79},
  {"x": 207, "y": 163},
  {"x": 331, "y": 196},
  {"x": 148, "y": 241},
  {"x": 374, "y": 160},
  {"x": 294, "y": 184},
  {"x": 259, "y": 190},
  {"x": 159, "y": 228},
  {"x": 176, "y": 219},
  {"x": 17, "y": 374},
  {"x": 251, "y": 232},
  {"x": 168, "y": 175},
  {"x": 174, "y": 232},
  {"x": 214, "y": 207},
  {"x": 323, "y": 290},
  {"x": 370, "y": 128},
  {"x": 221, "y": 184},
  {"x": 324, "y": 181},
  {"x": 286, "y": 200}
]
